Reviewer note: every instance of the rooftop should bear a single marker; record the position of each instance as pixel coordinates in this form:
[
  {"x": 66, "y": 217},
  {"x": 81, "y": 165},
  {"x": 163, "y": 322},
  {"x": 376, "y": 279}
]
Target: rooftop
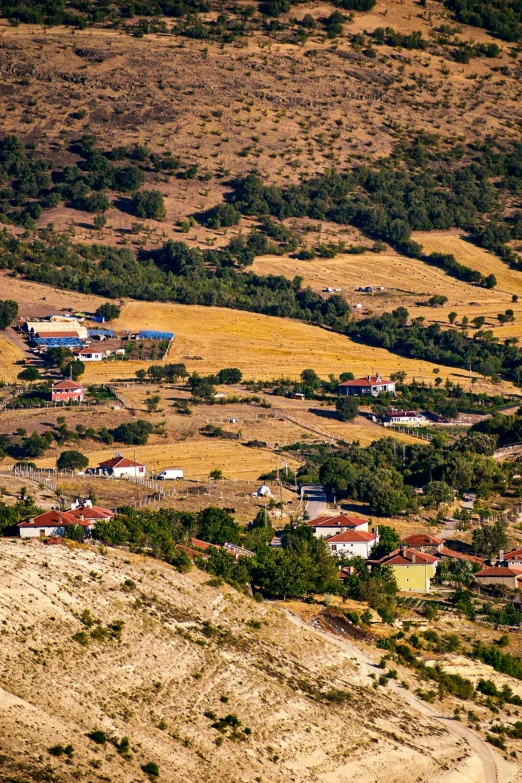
[
  {"x": 120, "y": 462},
  {"x": 341, "y": 520},
  {"x": 368, "y": 380},
  {"x": 351, "y": 536},
  {"x": 497, "y": 571},
  {"x": 422, "y": 539}
]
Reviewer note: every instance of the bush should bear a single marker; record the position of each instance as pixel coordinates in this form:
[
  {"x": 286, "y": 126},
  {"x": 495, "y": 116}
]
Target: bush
[
  {"x": 29, "y": 374},
  {"x": 151, "y": 768},
  {"x": 149, "y": 204},
  {"x": 222, "y": 215},
  {"x": 347, "y": 408},
  {"x": 229, "y": 375},
  {"x": 133, "y": 432}
]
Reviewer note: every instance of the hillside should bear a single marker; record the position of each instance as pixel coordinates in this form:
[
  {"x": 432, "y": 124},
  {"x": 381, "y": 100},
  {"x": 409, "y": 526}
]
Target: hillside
[{"x": 128, "y": 646}]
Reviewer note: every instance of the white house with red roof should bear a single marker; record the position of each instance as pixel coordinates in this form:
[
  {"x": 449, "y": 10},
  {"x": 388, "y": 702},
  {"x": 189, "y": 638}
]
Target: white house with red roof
[
  {"x": 66, "y": 390},
  {"x": 395, "y": 417},
  {"x": 89, "y": 354},
  {"x": 353, "y": 543},
  {"x": 513, "y": 559},
  {"x": 51, "y": 523},
  {"x": 122, "y": 467},
  {"x": 370, "y": 384},
  {"x": 324, "y": 527}
]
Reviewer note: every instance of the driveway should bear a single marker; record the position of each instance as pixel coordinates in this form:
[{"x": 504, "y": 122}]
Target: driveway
[{"x": 316, "y": 503}]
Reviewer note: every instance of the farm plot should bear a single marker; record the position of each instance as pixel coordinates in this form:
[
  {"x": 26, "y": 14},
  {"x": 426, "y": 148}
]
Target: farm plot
[{"x": 9, "y": 355}]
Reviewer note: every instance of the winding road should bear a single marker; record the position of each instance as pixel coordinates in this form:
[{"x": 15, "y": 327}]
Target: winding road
[{"x": 488, "y": 757}]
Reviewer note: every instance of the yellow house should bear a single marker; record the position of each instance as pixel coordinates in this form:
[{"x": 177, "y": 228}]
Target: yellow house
[{"x": 413, "y": 570}]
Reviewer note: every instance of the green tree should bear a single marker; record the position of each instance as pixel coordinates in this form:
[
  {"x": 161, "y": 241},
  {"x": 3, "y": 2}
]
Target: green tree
[
  {"x": 8, "y": 312},
  {"x": 389, "y": 540},
  {"x": 347, "y": 408},
  {"x": 149, "y": 204},
  {"x": 437, "y": 492},
  {"x": 489, "y": 539},
  {"x": 479, "y": 321},
  {"x": 452, "y": 317},
  {"x": 109, "y": 311},
  {"x": 337, "y": 473},
  {"x": 153, "y": 402},
  {"x": 72, "y": 460},
  {"x": 217, "y": 526},
  {"x": 29, "y": 374},
  {"x": 229, "y": 375},
  {"x": 74, "y": 369},
  {"x": 310, "y": 378},
  {"x": 279, "y": 574},
  {"x": 75, "y": 532}
]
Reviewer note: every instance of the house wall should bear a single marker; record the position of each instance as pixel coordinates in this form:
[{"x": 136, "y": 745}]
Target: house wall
[
  {"x": 65, "y": 396},
  {"x": 120, "y": 472},
  {"x": 414, "y": 578},
  {"x": 36, "y": 532},
  {"x": 507, "y": 581},
  {"x": 328, "y": 532},
  {"x": 353, "y": 548}
]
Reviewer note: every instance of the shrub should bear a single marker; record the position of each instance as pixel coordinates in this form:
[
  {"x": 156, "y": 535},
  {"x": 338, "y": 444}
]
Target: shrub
[
  {"x": 98, "y": 736},
  {"x": 149, "y": 204},
  {"x": 222, "y": 215},
  {"x": 151, "y": 768},
  {"x": 8, "y": 312},
  {"x": 109, "y": 311}
]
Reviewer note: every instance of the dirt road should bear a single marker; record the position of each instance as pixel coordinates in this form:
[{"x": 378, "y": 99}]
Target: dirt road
[{"x": 494, "y": 770}]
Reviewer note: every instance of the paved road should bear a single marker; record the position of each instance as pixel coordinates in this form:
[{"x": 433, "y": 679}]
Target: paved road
[
  {"x": 485, "y": 752},
  {"x": 316, "y": 503}
]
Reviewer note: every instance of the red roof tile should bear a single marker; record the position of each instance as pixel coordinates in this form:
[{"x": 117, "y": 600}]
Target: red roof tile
[
  {"x": 341, "y": 520},
  {"x": 67, "y": 385},
  {"x": 54, "y": 518},
  {"x": 91, "y": 512},
  {"x": 351, "y": 536},
  {"x": 422, "y": 539},
  {"x": 204, "y": 545},
  {"x": 497, "y": 571},
  {"x": 372, "y": 380},
  {"x": 405, "y": 557},
  {"x": 515, "y": 554},
  {"x": 446, "y": 552},
  {"x": 120, "y": 462},
  {"x": 44, "y": 334}
]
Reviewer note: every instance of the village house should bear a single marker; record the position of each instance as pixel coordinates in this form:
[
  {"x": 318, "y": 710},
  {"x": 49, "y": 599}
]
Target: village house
[
  {"x": 445, "y": 553},
  {"x": 122, "y": 467},
  {"x": 423, "y": 542},
  {"x": 88, "y": 512},
  {"x": 324, "y": 527},
  {"x": 413, "y": 418},
  {"x": 370, "y": 384},
  {"x": 51, "y": 523},
  {"x": 353, "y": 543},
  {"x": 499, "y": 575},
  {"x": 413, "y": 570},
  {"x": 89, "y": 355},
  {"x": 512, "y": 559},
  {"x": 65, "y": 390}
]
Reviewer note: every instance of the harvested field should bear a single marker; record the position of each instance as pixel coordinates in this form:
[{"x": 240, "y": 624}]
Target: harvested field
[
  {"x": 9, "y": 355},
  {"x": 198, "y": 458}
]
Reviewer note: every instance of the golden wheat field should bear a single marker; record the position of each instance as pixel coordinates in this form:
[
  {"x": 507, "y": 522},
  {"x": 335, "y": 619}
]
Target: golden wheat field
[
  {"x": 197, "y": 458},
  {"x": 9, "y": 355}
]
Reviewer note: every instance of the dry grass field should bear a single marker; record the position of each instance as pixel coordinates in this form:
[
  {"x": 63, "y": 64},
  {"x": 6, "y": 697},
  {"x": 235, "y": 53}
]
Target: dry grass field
[
  {"x": 197, "y": 458},
  {"x": 10, "y": 354}
]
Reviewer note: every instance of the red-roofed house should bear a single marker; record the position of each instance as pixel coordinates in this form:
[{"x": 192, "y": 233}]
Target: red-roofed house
[
  {"x": 89, "y": 354},
  {"x": 63, "y": 391},
  {"x": 353, "y": 543},
  {"x": 413, "y": 570},
  {"x": 513, "y": 559},
  {"x": 324, "y": 527},
  {"x": 499, "y": 575},
  {"x": 86, "y": 511},
  {"x": 51, "y": 523},
  {"x": 121, "y": 467},
  {"x": 424, "y": 542},
  {"x": 370, "y": 384}
]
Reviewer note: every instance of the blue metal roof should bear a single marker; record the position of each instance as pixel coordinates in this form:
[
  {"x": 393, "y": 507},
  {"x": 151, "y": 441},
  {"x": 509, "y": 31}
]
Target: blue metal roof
[
  {"x": 100, "y": 332},
  {"x": 150, "y": 334},
  {"x": 58, "y": 342}
]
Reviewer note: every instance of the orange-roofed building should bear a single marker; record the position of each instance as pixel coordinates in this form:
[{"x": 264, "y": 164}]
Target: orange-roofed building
[
  {"x": 122, "y": 467},
  {"x": 353, "y": 543},
  {"x": 499, "y": 575},
  {"x": 413, "y": 570},
  {"x": 324, "y": 527},
  {"x": 424, "y": 542},
  {"x": 370, "y": 384},
  {"x": 51, "y": 523}
]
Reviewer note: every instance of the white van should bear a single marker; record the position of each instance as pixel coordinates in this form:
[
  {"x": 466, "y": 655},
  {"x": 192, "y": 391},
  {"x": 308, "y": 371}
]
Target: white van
[{"x": 170, "y": 473}]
